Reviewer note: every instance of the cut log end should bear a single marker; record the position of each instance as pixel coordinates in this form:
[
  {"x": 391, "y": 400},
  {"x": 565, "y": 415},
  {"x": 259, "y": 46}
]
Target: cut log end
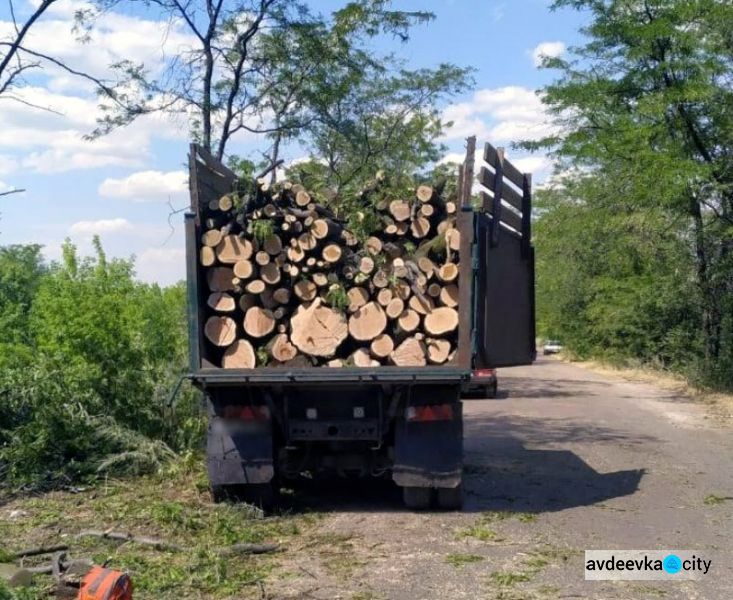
[
  {"x": 410, "y": 353},
  {"x": 367, "y": 322},
  {"x": 220, "y": 331},
  {"x": 441, "y": 321},
  {"x": 259, "y": 322},
  {"x": 240, "y": 355}
]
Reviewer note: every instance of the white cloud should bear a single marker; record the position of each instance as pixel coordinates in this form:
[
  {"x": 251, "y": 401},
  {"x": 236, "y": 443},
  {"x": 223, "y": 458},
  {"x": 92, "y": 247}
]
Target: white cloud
[
  {"x": 547, "y": 50},
  {"x": 7, "y": 164},
  {"x": 146, "y": 186},
  {"x": 501, "y": 115},
  {"x": 101, "y": 226},
  {"x": 532, "y": 164},
  {"x": 52, "y": 141},
  {"x": 452, "y": 157},
  {"x": 161, "y": 265}
]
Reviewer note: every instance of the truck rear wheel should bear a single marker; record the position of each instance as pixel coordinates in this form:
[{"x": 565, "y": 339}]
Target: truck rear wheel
[
  {"x": 450, "y": 498},
  {"x": 417, "y": 497}
]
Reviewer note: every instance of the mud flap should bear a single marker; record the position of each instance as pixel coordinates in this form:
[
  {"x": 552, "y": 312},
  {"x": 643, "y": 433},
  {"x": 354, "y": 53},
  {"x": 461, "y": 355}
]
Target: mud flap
[
  {"x": 429, "y": 453},
  {"x": 239, "y": 453}
]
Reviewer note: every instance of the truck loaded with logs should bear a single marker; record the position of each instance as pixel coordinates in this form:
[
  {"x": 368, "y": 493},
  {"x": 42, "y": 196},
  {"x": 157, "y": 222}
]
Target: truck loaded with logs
[{"x": 339, "y": 343}]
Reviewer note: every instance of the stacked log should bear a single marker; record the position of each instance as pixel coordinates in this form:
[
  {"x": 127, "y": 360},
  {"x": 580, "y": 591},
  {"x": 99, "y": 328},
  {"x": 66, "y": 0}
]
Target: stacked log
[{"x": 288, "y": 283}]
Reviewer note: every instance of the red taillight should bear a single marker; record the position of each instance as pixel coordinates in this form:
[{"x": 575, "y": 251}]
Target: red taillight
[
  {"x": 247, "y": 413},
  {"x": 484, "y": 373},
  {"x": 436, "y": 412}
]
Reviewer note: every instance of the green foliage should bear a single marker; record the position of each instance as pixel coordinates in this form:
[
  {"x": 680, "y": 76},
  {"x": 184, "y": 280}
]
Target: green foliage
[
  {"x": 634, "y": 244},
  {"x": 88, "y": 392},
  {"x": 337, "y": 297},
  {"x": 262, "y": 229}
]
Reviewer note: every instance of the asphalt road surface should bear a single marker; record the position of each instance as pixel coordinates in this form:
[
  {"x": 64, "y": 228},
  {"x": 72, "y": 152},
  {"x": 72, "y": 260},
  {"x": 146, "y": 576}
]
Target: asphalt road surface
[{"x": 562, "y": 461}]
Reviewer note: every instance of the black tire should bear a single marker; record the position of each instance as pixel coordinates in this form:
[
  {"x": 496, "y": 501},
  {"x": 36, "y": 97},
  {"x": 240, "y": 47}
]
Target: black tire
[
  {"x": 450, "y": 498},
  {"x": 418, "y": 498},
  {"x": 491, "y": 390}
]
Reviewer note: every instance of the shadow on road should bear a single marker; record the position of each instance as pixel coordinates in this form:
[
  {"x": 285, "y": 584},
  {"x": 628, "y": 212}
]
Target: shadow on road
[{"x": 501, "y": 473}]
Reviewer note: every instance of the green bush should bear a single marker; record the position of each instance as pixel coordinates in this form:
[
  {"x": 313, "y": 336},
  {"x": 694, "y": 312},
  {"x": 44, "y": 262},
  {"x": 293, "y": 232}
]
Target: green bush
[{"x": 85, "y": 379}]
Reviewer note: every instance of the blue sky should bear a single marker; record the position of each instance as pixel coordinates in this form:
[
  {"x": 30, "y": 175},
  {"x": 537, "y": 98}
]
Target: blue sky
[{"x": 120, "y": 186}]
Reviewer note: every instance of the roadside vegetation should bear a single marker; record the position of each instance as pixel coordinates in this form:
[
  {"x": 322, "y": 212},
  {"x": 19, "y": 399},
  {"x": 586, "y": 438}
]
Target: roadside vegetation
[
  {"x": 634, "y": 235},
  {"x": 173, "y": 506}
]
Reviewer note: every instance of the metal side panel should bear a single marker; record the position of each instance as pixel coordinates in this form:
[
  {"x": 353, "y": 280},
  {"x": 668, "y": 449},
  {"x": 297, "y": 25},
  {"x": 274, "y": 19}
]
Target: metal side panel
[{"x": 504, "y": 299}]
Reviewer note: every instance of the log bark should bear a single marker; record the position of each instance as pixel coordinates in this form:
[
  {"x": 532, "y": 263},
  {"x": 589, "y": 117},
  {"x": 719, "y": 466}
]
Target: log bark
[
  {"x": 240, "y": 355},
  {"x": 318, "y": 330},
  {"x": 220, "y": 331}
]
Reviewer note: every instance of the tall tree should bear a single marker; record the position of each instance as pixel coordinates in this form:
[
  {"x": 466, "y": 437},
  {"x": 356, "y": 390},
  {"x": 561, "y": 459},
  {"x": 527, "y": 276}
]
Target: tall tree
[
  {"x": 646, "y": 104},
  {"x": 258, "y": 66}
]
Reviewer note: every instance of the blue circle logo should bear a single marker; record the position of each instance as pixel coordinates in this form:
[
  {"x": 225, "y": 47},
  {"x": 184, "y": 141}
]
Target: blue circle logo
[{"x": 672, "y": 564}]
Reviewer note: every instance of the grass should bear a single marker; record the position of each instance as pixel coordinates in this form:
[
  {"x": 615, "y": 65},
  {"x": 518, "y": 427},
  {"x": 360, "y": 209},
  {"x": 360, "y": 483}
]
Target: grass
[
  {"x": 460, "y": 560},
  {"x": 482, "y": 530},
  {"x": 714, "y": 500},
  {"x": 509, "y": 578},
  {"x": 531, "y": 566},
  {"x": 174, "y": 506}
]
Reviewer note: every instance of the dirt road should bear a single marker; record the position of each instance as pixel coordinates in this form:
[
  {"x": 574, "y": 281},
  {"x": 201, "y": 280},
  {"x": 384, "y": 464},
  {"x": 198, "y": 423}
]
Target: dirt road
[{"x": 564, "y": 460}]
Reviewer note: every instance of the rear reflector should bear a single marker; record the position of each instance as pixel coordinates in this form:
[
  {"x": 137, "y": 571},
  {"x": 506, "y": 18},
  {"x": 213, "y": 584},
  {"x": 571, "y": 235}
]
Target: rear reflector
[
  {"x": 484, "y": 372},
  {"x": 247, "y": 413},
  {"x": 437, "y": 412}
]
